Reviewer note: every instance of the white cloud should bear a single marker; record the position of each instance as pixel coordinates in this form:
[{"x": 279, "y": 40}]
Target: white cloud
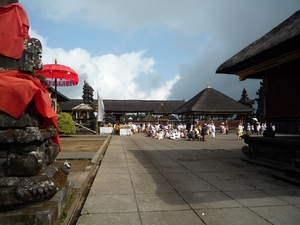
[
  {"x": 113, "y": 76},
  {"x": 190, "y": 17},
  {"x": 164, "y": 91},
  {"x": 131, "y": 14},
  {"x": 210, "y": 32}
]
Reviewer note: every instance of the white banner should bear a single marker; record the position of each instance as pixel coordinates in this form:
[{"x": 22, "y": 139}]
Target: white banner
[{"x": 100, "y": 108}]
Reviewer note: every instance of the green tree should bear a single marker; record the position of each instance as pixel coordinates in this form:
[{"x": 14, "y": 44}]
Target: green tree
[
  {"x": 245, "y": 99},
  {"x": 247, "y": 102},
  {"x": 66, "y": 124},
  {"x": 260, "y": 115}
]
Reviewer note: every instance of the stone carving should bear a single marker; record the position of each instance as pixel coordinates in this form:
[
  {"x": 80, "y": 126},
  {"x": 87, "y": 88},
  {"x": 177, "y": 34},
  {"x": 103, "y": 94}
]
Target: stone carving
[
  {"x": 28, "y": 171},
  {"x": 247, "y": 150}
]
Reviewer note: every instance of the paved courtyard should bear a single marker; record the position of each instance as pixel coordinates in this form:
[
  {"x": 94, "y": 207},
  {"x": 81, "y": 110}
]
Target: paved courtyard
[{"x": 142, "y": 180}]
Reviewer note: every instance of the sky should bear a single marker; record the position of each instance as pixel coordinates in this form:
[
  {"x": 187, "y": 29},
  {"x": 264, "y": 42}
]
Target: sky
[{"x": 152, "y": 49}]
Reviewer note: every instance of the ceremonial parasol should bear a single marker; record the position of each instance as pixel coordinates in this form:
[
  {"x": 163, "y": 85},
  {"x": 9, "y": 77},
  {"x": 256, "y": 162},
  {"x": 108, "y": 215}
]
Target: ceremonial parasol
[{"x": 58, "y": 75}]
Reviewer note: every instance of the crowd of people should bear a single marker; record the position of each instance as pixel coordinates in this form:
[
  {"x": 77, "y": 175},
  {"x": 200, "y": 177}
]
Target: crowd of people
[
  {"x": 252, "y": 128},
  {"x": 195, "y": 132},
  {"x": 258, "y": 129},
  {"x": 191, "y": 132}
]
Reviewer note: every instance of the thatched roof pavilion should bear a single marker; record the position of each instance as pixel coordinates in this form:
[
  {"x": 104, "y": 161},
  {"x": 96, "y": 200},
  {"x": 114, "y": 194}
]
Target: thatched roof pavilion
[
  {"x": 275, "y": 58},
  {"x": 211, "y": 101},
  {"x": 129, "y": 106},
  {"x": 149, "y": 118},
  {"x": 163, "y": 110}
]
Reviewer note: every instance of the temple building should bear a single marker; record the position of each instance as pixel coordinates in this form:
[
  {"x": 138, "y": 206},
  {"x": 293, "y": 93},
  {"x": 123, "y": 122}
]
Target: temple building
[{"x": 275, "y": 59}]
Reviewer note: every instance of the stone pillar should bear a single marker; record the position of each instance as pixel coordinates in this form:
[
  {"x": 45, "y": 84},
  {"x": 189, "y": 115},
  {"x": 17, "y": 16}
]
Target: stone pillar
[{"x": 7, "y": 2}]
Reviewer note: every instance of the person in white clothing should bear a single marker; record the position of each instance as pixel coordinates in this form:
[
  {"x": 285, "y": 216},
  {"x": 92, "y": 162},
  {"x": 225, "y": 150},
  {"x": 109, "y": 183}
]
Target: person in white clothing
[
  {"x": 273, "y": 127},
  {"x": 213, "y": 130},
  {"x": 263, "y": 127},
  {"x": 173, "y": 136},
  {"x": 168, "y": 134},
  {"x": 177, "y": 135},
  {"x": 258, "y": 128},
  {"x": 239, "y": 131},
  {"x": 248, "y": 129},
  {"x": 160, "y": 135},
  {"x": 252, "y": 129}
]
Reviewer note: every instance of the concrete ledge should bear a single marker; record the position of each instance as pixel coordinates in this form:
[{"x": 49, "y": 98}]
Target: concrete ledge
[
  {"x": 100, "y": 153},
  {"x": 85, "y": 180},
  {"x": 284, "y": 177},
  {"x": 276, "y": 165}
]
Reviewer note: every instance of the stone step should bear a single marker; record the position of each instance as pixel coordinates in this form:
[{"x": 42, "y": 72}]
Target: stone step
[{"x": 292, "y": 172}]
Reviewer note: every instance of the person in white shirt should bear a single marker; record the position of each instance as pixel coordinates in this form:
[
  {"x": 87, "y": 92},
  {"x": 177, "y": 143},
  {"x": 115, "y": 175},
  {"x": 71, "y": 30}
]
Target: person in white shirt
[
  {"x": 258, "y": 128},
  {"x": 239, "y": 131},
  {"x": 167, "y": 134},
  {"x": 213, "y": 130},
  {"x": 160, "y": 135},
  {"x": 173, "y": 136},
  {"x": 248, "y": 129},
  {"x": 178, "y": 135},
  {"x": 263, "y": 127},
  {"x": 272, "y": 126}
]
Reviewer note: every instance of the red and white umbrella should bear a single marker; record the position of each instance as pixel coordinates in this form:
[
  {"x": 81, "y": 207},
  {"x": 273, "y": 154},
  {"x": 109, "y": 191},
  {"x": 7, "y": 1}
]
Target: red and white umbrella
[{"x": 58, "y": 75}]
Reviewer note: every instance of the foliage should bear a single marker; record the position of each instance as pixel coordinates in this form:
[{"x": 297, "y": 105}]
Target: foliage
[
  {"x": 245, "y": 99},
  {"x": 261, "y": 101},
  {"x": 247, "y": 102},
  {"x": 66, "y": 124}
]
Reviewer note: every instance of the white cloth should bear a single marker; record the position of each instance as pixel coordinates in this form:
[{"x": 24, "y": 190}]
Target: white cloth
[
  {"x": 125, "y": 131},
  {"x": 106, "y": 130}
]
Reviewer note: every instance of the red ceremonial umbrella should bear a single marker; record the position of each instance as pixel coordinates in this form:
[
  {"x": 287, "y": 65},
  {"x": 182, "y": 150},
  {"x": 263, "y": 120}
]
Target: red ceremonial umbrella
[{"x": 58, "y": 75}]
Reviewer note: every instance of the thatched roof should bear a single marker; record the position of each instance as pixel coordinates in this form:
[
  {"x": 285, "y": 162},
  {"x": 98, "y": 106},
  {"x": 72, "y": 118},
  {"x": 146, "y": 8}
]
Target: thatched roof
[
  {"x": 139, "y": 105},
  {"x": 149, "y": 118},
  {"x": 83, "y": 107},
  {"x": 283, "y": 39},
  {"x": 163, "y": 110},
  {"x": 121, "y": 106},
  {"x": 67, "y": 106},
  {"x": 211, "y": 101}
]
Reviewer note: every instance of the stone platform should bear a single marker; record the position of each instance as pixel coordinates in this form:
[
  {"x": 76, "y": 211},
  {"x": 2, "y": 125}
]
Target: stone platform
[
  {"x": 142, "y": 180},
  {"x": 48, "y": 211},
  {"x": 44, "y": 213}
]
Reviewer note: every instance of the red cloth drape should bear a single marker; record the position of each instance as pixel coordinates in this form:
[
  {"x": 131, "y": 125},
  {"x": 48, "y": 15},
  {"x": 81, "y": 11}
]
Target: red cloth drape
[
  {"x": 14, "y": 26},
  {"x": 18, "y": 90}
]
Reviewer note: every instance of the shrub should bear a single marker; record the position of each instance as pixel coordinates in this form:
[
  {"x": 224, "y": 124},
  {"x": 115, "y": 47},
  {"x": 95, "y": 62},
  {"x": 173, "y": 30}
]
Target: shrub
[{"x": 66, "y": 124}]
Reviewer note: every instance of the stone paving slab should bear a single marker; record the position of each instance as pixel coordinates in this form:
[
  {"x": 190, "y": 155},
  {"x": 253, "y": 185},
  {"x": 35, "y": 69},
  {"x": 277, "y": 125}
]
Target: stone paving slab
[
  {"x": 153, "y": 202},
  {"x": 255, "y": 198},
  {"x": 113, "y": 203},
  {"x": 232, "y": 216},
  {"x": 287, "y": 214},
  {"x": 186, "y": 217},
  {"x": 142, "y": 180},
  {"x": 111, "y": 219},
  {"x": 210, "y": 200}
]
